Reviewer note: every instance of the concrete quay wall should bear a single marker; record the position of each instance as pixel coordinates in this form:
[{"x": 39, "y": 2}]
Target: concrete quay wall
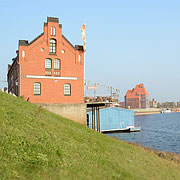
[
  {"x": 147, "y": 111},
  {"x": 75, "y": 112}
]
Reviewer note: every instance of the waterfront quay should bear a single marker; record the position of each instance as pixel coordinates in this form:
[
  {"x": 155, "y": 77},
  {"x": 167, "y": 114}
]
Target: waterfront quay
[{"x": 152, "y": 111}]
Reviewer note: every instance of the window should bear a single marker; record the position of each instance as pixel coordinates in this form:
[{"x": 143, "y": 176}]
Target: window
[
  {"x": 16, "y": 72},
  {"x": 67, "y": 89},
  {"x": 42, "y": 49},
  {"x": 51, "y": 31},
  {"x": 48, "y": 64},
  {"x": 57, "y": 64},
  {"x": 79, "y": 58},
  {"x": 9, "y": 81},
  {"x": 54, "y": 31},
  {"x": 16, "y": 90},
  {"x": 37, "y": 88},
  {"x": 52, "y": 47},
  {"x": 63, "y": 51},
  {"x": 23, "y": 53}
]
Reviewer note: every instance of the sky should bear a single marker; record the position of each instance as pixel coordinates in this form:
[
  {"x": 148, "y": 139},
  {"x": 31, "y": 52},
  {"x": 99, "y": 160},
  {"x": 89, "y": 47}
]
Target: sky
[{"x": 128, "y": 42}]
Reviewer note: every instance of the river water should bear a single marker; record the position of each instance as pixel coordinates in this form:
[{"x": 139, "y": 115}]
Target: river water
[{"x": 158, "y": 131}]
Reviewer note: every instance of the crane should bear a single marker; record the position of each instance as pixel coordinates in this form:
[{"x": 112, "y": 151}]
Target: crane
[{"x": 108, "y": 88}]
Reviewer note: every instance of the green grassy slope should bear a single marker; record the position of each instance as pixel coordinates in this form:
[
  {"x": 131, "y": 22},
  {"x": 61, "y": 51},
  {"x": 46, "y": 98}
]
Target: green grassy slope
[{"x": 51, "y": 147}]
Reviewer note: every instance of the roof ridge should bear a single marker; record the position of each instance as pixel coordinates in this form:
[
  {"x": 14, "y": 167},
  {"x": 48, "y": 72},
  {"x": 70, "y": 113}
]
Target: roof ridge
[
  {"x": 67, "y": 41},
  {"x": 36, "y": 38}
]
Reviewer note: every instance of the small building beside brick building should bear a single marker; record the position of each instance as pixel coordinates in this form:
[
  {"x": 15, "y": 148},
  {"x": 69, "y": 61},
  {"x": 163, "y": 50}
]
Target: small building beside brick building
[
  {"x": 112, "y": 119},
  {"x": 48, "y": 69},
  {"x": 138, "y": 97}
]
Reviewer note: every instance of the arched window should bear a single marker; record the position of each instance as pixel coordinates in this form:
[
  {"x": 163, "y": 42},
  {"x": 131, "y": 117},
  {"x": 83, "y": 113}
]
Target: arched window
[
  {"x": 57, "y": 64},
  {"x": 48, "y": 64},
  {"x": 52, "y": 46},
  {"x": 67, "y": 89},
  {"x": 37, "y": 88}
]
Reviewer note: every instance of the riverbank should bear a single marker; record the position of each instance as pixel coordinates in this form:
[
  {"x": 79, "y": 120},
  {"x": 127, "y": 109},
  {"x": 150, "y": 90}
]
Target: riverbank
[
  {"x": 147, "y": 111},
  {"x": 151, "y": 111},
  {"x": 165, "y": 155},
  {"x": 42, "y": 145}
]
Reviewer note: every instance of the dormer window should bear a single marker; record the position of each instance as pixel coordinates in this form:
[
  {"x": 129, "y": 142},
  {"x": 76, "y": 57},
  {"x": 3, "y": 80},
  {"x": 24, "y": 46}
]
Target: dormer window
[{"x": 52, "y": 46}]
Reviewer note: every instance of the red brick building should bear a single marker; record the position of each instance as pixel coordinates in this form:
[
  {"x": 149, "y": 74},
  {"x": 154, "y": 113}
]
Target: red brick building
[
  {"x": 48, "y": 69},
  {"x": 137, "y": 97}
]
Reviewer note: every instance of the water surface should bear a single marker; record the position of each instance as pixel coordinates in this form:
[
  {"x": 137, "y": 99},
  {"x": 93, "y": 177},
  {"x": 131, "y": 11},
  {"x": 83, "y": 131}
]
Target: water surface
[{"x": 158, "y": 131}]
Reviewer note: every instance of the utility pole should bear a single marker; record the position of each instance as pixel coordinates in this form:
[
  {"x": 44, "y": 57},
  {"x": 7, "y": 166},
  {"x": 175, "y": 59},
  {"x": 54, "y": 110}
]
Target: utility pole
[{"x": 111, "y": 93}]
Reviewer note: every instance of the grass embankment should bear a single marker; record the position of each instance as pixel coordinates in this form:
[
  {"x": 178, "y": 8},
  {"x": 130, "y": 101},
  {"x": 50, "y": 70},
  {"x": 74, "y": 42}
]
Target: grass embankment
[{"x": 48, "y": 146}]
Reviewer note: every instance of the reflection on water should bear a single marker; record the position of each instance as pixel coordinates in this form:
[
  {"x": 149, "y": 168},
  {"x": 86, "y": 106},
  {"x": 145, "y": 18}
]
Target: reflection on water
[{"x": 158, "y": 131}]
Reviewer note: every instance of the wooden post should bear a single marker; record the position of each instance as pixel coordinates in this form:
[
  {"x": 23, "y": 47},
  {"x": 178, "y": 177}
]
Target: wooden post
[
  {"x": 98, "y": 120},
  {"x": 93, "y": 118}
]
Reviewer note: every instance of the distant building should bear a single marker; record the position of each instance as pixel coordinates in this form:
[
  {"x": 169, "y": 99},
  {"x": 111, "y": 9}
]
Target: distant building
[
  {"x": 48, "y": 69},
  {"x": 138, "y": 97},
  {"x": 178, "y": 104},
  {"x": 122, "y": 104},
  {"x": 153, "y": 103}
]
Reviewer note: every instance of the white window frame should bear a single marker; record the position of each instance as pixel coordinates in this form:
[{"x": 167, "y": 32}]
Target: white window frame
[
  {"x": 54, "y": 30},
  {"x": 67, "y": 89},
  {"x": 48, "y": 63},
  {"x": 23, "y": 53},
  {"x": 57, "y": 64},
  {"x": 37, "y": 88},
  {"x": 52, "y": 45},
  {"x": 51, "y": 30},
  {"x": 79, "y": 58}
]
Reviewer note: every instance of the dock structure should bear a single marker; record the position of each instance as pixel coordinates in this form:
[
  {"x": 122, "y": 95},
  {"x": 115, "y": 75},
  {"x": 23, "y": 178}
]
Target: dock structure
[
  {"x": 111, "y": 119},
  {"x": 95, "y": 114}
]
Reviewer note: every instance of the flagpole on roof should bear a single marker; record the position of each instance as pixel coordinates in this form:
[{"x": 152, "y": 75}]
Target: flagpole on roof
[
  {"x": 84, "y": 68},
  {"x": 83, "y": 32}
]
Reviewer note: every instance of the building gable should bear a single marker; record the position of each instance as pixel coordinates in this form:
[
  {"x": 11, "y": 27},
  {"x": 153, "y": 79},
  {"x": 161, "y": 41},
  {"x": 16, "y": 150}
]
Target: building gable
[{"x": 51, "y": 62}]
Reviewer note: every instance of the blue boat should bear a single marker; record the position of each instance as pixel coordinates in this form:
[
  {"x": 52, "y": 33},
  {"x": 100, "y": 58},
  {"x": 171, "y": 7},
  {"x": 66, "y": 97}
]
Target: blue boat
[{"x": 113, "y": 119}]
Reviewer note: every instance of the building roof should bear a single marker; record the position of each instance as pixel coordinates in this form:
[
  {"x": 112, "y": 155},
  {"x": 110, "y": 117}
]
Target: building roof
[
  {"x": 52, "y": 19},
  {"x": 67, "y": 40},
  {"x": 113, "y": 109},
  {"x": 135, "y": 92},
  {"x": 56, "y": 20},
  {"x": 36, "y": 38}
]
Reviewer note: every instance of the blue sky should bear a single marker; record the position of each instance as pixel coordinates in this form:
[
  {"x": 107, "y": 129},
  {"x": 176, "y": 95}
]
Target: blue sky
[{"x": 128, "y": 42}]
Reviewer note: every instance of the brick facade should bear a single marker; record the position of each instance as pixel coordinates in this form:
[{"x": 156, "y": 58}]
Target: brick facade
[
  {"x": 137, "y": 97},
  {"x": 48, "y": 69}
]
